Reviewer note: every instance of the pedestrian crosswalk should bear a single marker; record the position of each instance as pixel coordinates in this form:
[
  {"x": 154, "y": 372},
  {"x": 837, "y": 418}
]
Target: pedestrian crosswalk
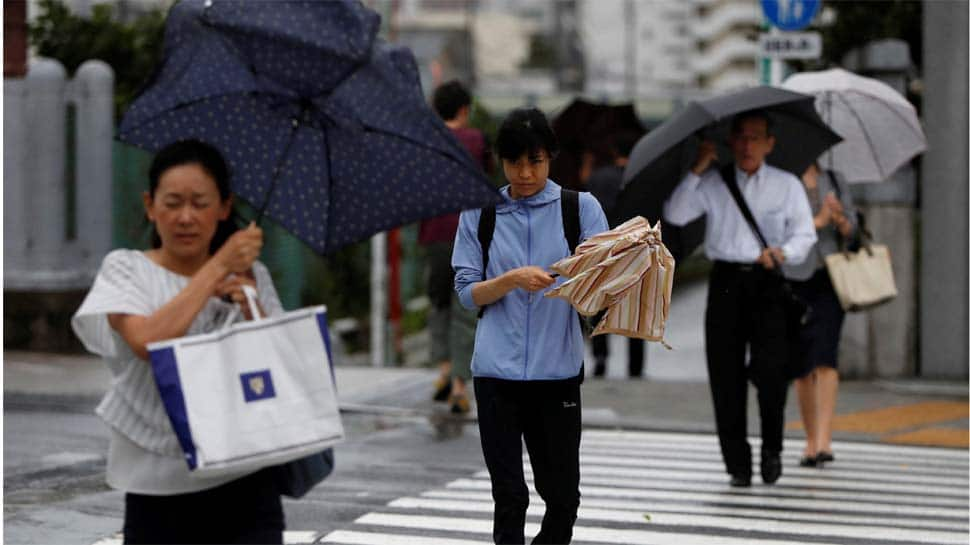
[{"x": 648, "y": 488}]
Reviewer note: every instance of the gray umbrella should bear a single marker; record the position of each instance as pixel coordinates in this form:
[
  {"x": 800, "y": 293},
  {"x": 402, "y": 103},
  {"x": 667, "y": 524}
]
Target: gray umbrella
[
  {"x": 661, "y": 158},
  {"x": 880, "y": 127}
]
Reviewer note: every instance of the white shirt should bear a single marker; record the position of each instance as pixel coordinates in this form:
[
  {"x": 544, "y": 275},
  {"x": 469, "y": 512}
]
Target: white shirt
[
  {"x": 777, "y": 202},
  {"x": 144, "y": 456}
]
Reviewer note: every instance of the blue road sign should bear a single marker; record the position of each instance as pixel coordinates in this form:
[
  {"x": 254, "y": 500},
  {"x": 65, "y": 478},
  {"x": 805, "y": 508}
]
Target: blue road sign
[{"x": 790, "y": 14}]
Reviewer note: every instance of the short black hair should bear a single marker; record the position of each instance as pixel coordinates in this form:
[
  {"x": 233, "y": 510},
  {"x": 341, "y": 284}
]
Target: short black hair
[
  {"x": 525, "y": 131},
  {"x": 450, "y": 97},
  {"x": 752, "y": 114}
]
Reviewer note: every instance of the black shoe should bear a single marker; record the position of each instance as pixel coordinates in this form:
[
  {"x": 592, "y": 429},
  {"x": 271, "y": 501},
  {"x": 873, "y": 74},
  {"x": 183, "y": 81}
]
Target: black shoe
[
  {"x": 808, "y": 461},
  {"x": 600, "y": 369},
  {"x": 825, "y": 457},
  {"x": 770, "y": 467},
  {"x": 459, "y": 404},
  {"x": 740, "y": 481},
  {"x": 442, "y": 390}
]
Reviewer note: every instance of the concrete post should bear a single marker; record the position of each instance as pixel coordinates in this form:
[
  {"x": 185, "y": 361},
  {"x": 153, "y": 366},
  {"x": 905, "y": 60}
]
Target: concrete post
[
  {"x": 882, "y": 341},
  {"x": 378, "y": 299},
  {"x": 93, "y": 92},
  {"x": 39, "y": 254},
  {"x": 16, "y": 239},
  {"x": 48, "y": 267},
  {"x": 44, "y": 190},
  {"x": 943, "y": 272}
]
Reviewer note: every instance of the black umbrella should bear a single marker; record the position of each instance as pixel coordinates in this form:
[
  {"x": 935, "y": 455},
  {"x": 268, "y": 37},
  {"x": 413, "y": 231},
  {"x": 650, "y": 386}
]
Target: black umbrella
[
  {"x": 585, "y": 126},
  {"x": 661, "y": 158}
]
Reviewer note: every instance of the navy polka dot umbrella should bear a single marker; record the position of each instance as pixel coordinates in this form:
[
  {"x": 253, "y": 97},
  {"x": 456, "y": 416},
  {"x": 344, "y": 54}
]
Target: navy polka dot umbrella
[{"x": 325, "y": 127}]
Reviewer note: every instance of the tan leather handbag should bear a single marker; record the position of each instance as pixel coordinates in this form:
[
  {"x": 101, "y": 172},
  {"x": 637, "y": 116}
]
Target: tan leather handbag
[{"x": 862, "y": 279}]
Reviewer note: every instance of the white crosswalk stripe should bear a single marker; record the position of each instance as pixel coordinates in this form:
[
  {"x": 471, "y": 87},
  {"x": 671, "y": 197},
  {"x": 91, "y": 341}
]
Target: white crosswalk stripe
[
  {"x": 647, "y": 488},
  {"x": 290, "y": 537}
]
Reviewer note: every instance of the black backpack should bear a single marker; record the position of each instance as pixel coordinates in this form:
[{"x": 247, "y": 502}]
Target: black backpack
[{"x": 570, "y": 227}]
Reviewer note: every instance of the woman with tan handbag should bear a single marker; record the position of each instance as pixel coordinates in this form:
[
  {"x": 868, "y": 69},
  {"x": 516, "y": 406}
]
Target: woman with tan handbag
[{"x": 817, "y": 381}]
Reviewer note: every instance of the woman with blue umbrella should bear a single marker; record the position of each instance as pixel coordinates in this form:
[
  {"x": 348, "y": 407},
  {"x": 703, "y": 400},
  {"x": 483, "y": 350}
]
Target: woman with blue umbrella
[{"x": 184, "y": 285}]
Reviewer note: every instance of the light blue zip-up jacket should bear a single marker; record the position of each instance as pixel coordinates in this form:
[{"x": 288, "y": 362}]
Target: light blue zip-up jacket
[{"x": 523, "y": 335}]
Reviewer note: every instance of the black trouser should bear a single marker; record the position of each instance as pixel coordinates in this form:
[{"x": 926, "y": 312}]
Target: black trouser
[
  {"x": 601, "y": 351},
  {"x": 246, "y": 510},
  {"x": 745, "y": 310},
  {"x": 441, "y": 277},
  {"x": 548, "y": 414}
]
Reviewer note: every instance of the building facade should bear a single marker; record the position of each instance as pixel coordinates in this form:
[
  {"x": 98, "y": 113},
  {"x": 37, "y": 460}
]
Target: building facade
[{"x": 648, "y": 48}]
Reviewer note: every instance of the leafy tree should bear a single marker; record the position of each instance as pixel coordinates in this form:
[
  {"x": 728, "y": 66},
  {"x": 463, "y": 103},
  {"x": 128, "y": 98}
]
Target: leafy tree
[
  {"x": 860, "y": 22},
  {"x": 131, "y": 49},
  {"x": 482, "y": 119},
  {"x": 341, "y": 281}
]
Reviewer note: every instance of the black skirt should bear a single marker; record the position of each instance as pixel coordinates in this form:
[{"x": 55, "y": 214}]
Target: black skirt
[{"x": 818, "y": 341}]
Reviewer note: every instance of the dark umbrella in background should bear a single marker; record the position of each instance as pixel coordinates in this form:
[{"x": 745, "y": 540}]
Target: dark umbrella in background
[
  {"x": 325, "y": 127},
  {"x": 661, "y": 158},
  {"x": 585, "y": 126}
]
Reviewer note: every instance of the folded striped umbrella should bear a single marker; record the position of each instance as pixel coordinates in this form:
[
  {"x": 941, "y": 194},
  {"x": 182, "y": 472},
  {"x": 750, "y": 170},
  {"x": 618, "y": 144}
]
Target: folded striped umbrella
[{"x": 628, "y": 272}]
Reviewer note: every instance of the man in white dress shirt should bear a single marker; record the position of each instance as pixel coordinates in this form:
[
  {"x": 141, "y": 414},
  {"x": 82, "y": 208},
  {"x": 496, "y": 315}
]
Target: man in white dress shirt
[{"x": 745, "y": 307}]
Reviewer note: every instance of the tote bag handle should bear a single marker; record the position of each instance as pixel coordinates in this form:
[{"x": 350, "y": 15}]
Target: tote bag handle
[{"x": 251, "y": 296}]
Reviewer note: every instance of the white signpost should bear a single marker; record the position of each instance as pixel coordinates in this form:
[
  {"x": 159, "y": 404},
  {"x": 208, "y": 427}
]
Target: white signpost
[
  {"x": 791, "y": 45},
  {"x": 776, "y": 46}
]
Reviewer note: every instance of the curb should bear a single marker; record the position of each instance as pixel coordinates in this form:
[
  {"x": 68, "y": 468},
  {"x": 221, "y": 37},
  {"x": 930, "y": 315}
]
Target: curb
[{"x": 924, "y": 387}]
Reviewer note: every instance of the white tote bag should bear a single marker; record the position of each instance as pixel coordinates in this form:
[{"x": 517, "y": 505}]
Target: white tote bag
[
  {"x": 862, "y": 279},
  {"x": 254, "y": 394}
]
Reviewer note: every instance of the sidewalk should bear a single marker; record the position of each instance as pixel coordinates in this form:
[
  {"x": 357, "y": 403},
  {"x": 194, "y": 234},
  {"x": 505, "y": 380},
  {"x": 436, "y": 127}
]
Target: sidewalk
[
  {"x": 673, "y": 395},
  {"x": 86, "y": 377},
  {"x": 910, "y": 411}
]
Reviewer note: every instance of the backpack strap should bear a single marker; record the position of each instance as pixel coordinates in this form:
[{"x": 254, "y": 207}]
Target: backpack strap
[
  {"x": 569, "y": 201},
  {"x": 571, "y": 230},
  {"x": 486, "y": 230},
  {"x": 570, "y": 217}
]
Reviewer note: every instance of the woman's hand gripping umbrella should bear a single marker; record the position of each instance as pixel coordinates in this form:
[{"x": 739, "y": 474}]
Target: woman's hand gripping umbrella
[{"x": 627, "y": 271}]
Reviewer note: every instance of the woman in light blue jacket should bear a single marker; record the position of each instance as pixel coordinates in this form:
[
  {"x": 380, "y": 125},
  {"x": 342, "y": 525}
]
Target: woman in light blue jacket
[{"x": 527, "y": 363}]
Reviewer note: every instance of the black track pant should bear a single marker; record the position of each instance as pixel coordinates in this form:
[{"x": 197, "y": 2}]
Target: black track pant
[{"x": 548, "y": 415}]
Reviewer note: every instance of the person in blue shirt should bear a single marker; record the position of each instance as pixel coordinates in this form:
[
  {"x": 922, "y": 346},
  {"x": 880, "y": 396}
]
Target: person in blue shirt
[{"x": 527, "y": 362}]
